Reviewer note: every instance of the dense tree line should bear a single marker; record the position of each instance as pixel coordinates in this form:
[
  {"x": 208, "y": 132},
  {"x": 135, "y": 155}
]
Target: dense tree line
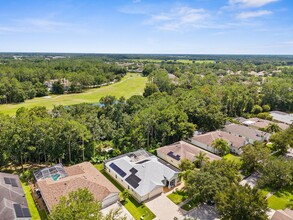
[{"x": 24, "y": 79}]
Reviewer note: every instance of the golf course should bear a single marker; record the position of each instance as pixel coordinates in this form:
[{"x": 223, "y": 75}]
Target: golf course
[{"x": 131, "y": 84}]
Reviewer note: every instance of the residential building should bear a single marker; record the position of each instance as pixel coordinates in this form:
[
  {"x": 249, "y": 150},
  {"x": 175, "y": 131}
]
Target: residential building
[
  {"x": 57, "y": 181},
  {"x": 206, "y": 140},
  {"x": 142, "y": 173},
  {"x": 262, "y": 123},
  {"x": 13, "y": 204},
  {"x": 282, "y": 117},
  {"x": 250, "y": 134},
  {"x": 286, "y": 214},
  {"x": 174, "y": 153}
]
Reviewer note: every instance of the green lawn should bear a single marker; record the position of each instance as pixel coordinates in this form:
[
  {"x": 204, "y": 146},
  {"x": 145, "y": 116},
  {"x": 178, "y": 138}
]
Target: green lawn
[
  {"x": 190, "y": 205},
  {"x": 136, "y": 209},
  {"x": 36, "y": 214},
  {"x": 281, "y": 199},
  {"x": 232, "y": 157},
  {"x": 178, "y": 196},
  {"x": 131, "y": 84}
]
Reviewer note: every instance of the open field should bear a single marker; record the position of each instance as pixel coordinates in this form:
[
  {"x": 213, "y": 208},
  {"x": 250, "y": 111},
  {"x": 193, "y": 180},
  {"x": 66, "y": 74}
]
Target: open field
[
  {"x": 136, "y": 210},
  {"x": 131, "y": 84}
]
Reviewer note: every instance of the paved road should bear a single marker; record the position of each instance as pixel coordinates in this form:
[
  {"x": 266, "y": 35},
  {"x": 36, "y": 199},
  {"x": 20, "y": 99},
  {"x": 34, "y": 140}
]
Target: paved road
[{"x": 203, "y": 212}]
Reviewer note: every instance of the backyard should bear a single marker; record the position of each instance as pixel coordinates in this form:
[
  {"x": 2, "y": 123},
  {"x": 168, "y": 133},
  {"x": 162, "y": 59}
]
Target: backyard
[
  {"x": 131, "y": 84},
  {"x": 35, "y": 213},
  {"x": 136, "y": 209}
]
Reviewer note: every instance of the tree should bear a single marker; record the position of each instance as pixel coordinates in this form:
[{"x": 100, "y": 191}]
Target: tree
[
  {"x": 272, "y": 128},
  {"x": 283, "y": 140},
  {"x": 57, "y": 88},
  {"x": 185, "y": 165},
  {"x": 78, "y": 204},
  {"x": 150, "y": 89},
  {"x": 277, "y": 173},
  {"x": 203, "y": 186},
  {"x": 212, "y": 178},
  {"x": 200, "y": 159},
  {"x": 254, "y": 157},
  {"x": 241, "y": 202},
  {"x": 221, "y": 145},
  {"x": 125, "y": 195},
  {"x": 256, "y": 109},
  {"x": 266, "y": 108}
]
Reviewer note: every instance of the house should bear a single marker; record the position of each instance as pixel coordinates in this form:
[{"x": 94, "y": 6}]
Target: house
[
  {"x": 206, "y": 140},
  {"x": 282, "y": 117},
  {"x": 174, "y": 153},
  {"x": 262, "y": 123},
  {"x": 57, "y": 181},
  {"x": 142, "y": 173},
  {"x": 66, "y": 83},
  {"x": 250, "y": 134},
  {"x": 13, "y": 204},
  {"x": 286, "y": 214}
]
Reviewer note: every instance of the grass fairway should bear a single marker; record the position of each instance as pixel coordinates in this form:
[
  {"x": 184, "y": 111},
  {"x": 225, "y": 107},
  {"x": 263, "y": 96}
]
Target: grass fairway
[{"x": 131, "y": 84}]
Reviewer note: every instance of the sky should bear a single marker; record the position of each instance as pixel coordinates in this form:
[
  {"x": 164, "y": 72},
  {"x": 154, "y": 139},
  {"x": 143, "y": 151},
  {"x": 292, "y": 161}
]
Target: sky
[{"x": 147, "y": 26}]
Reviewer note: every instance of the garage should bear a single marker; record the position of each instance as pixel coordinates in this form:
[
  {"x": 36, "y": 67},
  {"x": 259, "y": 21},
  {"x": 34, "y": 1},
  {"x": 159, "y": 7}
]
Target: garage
[
  {"x": 155, "y": 192},
  {"x": 109, "y": 200}
]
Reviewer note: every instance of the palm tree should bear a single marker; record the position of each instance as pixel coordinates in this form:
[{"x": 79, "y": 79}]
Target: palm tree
[
  {"x": 200, "y": 159},
  {"x": 273, "y": 128},
  {"x": 221, "y": 145}
]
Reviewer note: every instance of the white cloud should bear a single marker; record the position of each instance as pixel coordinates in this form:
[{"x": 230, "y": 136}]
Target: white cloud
[
  {"x": 44, "y": 24},
  {"x": 253, "y": 14},
  {"x": 250, "y": 3},
  {"x": 178, "y": 18}
]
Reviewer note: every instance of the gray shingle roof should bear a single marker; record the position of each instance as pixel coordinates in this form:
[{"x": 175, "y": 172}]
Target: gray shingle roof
[{"x": 10, "y": 195}]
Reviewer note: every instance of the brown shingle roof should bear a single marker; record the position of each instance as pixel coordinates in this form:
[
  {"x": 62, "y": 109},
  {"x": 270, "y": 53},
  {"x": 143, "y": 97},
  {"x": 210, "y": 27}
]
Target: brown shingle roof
[
  {"x": 209, "y": 137},
  {"x": 83, "y": 175},
  {"x": 246, "y": 132},
  {"x": 186, "y": 151},
  {"x": 283, "y": 215},
  {"x": 262, "y": 123}
]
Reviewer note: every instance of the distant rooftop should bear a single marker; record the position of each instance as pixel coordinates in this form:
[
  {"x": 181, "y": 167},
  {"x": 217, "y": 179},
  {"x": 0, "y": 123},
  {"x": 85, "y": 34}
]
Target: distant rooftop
[
  {"x": 210, "y": 137},
  {"x": 247, "y": 132},
  {"x": 183, "y": 150},
  {"x": 282, "y": 117}
]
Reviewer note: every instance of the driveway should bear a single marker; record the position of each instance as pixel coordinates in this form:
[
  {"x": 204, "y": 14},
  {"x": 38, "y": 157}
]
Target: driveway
[
  {"x": 164, "y": 208},
  {"x": 251, "y": 180},
  {"x": 117, "y": 205},
  {"x": 203, "y": 212}
]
